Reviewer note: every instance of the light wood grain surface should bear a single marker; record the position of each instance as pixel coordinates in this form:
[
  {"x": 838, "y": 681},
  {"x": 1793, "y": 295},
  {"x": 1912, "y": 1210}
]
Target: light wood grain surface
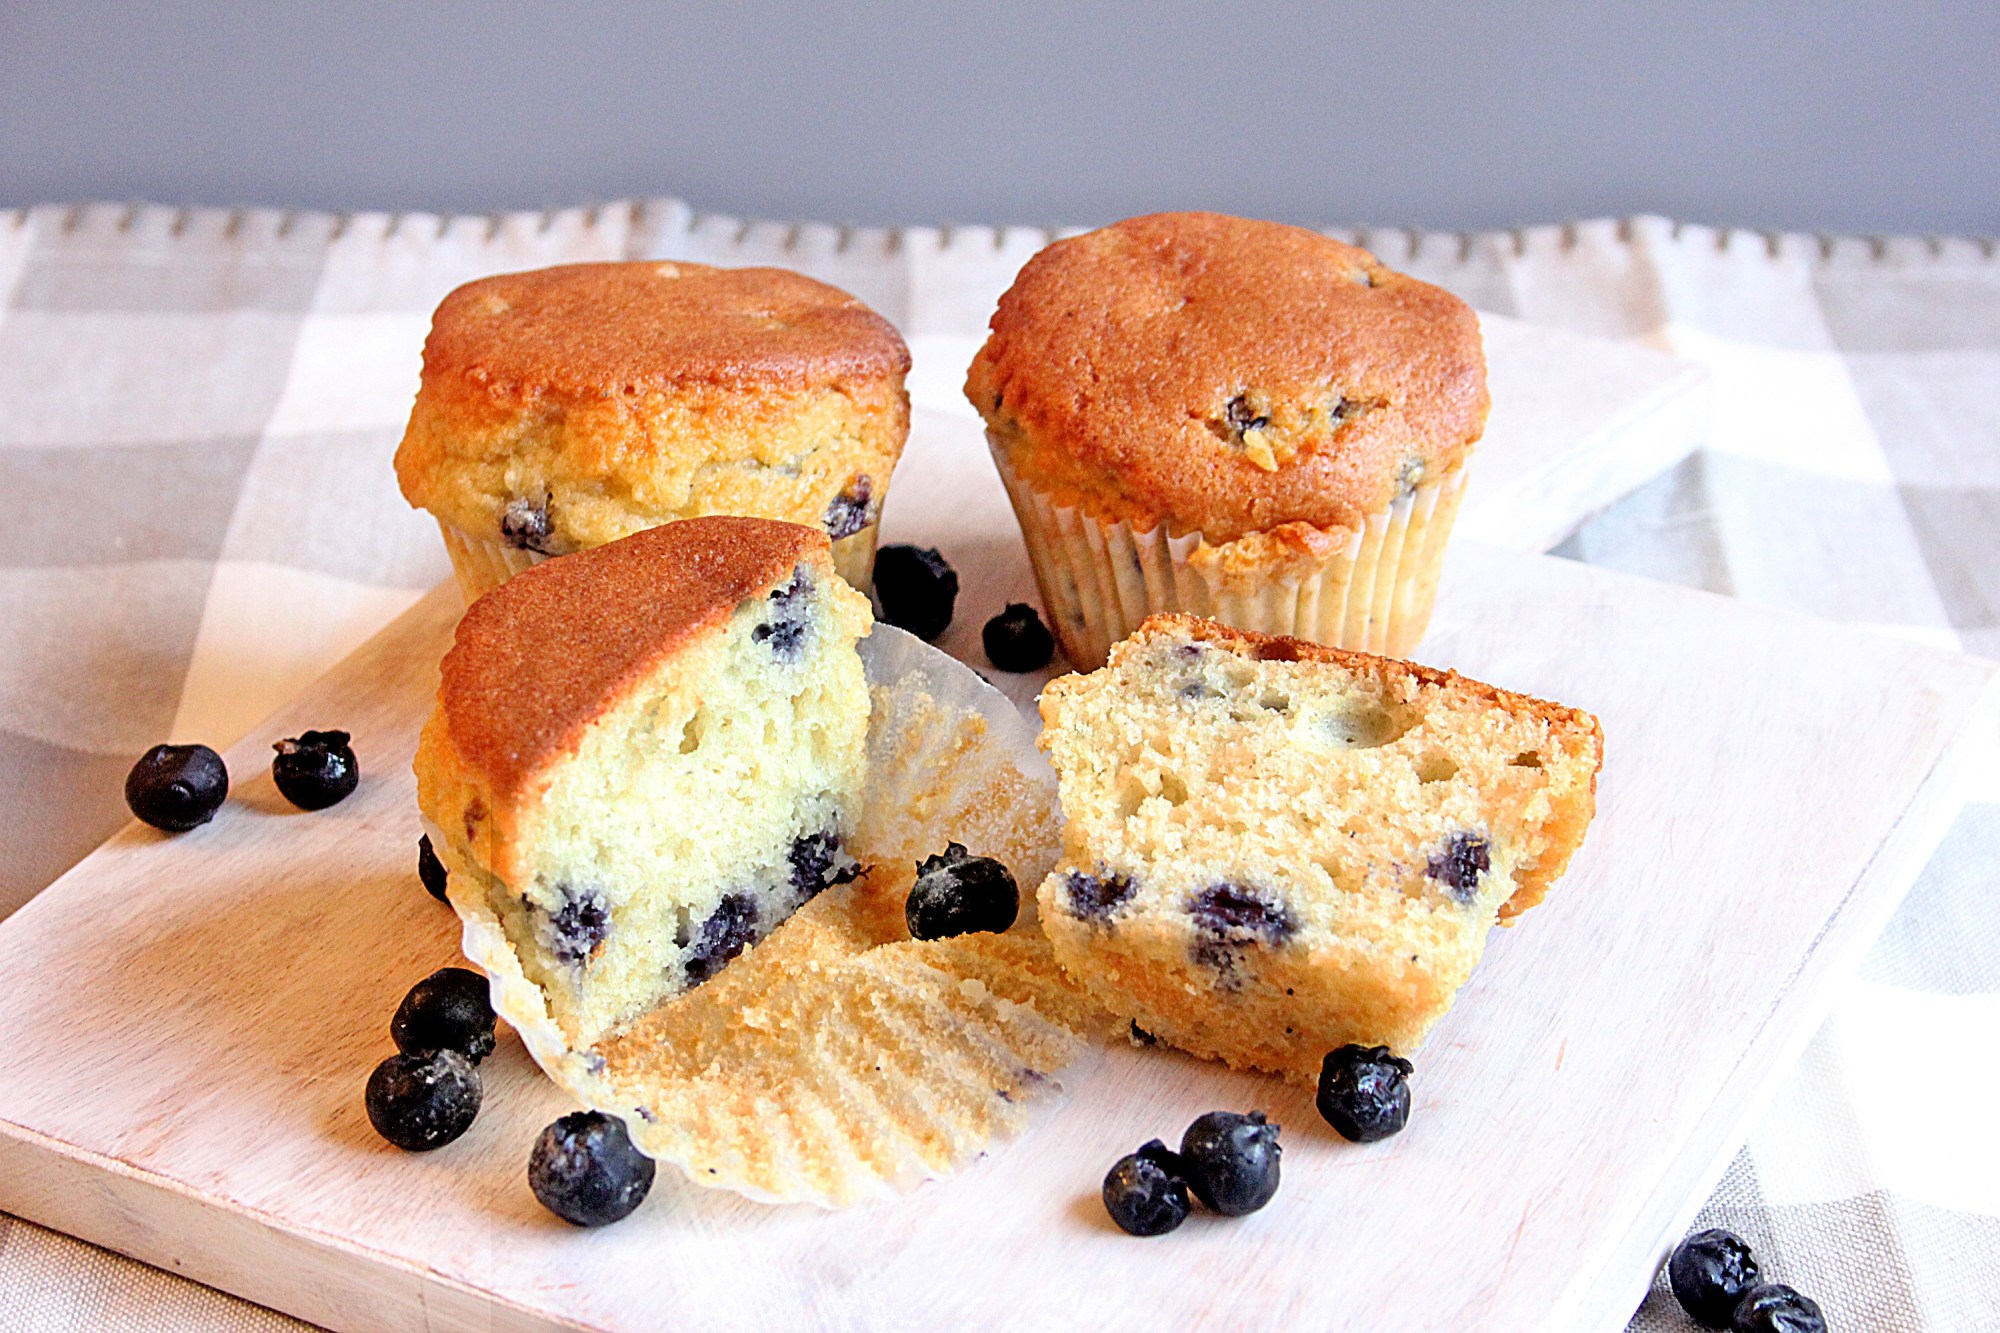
[{"x": 189, "y": 1022}]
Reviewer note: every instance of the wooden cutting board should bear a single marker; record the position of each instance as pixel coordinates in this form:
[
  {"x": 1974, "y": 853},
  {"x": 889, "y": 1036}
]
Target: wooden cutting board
[{"x": 188, "y": 1023}]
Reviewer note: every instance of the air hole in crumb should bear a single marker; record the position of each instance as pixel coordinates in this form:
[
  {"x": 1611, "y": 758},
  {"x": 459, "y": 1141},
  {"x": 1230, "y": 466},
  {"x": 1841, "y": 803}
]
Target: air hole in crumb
[
  {"x": 1436, "y": 768},
  {"x": 1363, "y": 724},
  {"x": 1173, "y": 789},
  {"x": 1277, "y": 703},
  {"x": 691, "y": 733},
  {"x": 1528, "y": 759}
]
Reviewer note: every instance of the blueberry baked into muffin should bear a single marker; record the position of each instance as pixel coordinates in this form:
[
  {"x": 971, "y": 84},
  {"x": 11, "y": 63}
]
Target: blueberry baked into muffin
[
  {"x": 645, "y": 757},
  {"x": 567, "y": 407},
  {"x": 1272, "y": 848},
  {"x": 1235, "y": 419}
]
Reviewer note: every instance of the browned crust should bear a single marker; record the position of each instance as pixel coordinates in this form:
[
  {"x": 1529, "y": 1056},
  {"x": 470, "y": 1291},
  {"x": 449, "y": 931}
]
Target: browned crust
[
  {"x": 539, "y": 658},
  {"x": 624, "y": 329},
  {"x": 1115, "y": 354},
  {"x": 1581, "y": 729}
]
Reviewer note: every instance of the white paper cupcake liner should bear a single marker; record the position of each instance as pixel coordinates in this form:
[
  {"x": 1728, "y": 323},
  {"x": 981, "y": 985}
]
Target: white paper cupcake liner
[
  {"x": 482, "y": 564},
  {"x": 1099, "y": 580},
  {"x": 839, "y": 1060}
]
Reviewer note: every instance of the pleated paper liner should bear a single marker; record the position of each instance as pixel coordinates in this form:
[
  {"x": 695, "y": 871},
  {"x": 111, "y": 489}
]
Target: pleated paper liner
[
  {"x": 839, "y": 1060},
  {"x": 482, "y": 564},
  {"x": 1099, "y": 580}
]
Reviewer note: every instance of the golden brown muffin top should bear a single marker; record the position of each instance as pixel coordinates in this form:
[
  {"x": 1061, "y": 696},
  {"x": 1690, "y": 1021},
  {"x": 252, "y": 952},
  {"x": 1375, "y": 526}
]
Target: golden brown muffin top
[
  {"x": 538, "y": 659},
  {"x": 605, "y": 330},
  {"x": 1228, "y": 376}
]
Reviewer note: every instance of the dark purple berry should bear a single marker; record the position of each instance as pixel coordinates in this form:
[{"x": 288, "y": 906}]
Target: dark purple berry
[
  {"x": 1237, "y": 912},
  {"x": 957, "y": 894},
  {"x": 1709, "y": 1272},
  {"x": 1017, "y": 640},
  {"x": 818, "y": 862},
  {"x": 1145, "y": 1193},
  {"x": 1231, "y": 1161},
  {"x": 848, "y": 512},
  {"x": 785, "y": 632},
  {"x": 316, "y": 769},
  {"x": 1774, "y": 1307},
  {"x": 446, "y": 1011},
  {"x": 527, "y": 526},
  {"x": 579, "y": 925},
  {"x": 1460, "y": 863},
  {"x": 729, "y": 930},
  {"x": 585, "y": 1170},
  {"x": 1364, "y": 1092},
  {"x": 916, "y": 589},
  {"x": 1094, "y": 897},
  {"x": 430, "y": 870},
  {"x": 421, "y": 1102},
  {"x": 177, "y": 787}
]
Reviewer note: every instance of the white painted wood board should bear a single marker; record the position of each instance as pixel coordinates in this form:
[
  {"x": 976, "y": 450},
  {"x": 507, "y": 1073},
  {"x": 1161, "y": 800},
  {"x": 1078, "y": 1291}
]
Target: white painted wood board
[{"x": 189, "y": 1022}]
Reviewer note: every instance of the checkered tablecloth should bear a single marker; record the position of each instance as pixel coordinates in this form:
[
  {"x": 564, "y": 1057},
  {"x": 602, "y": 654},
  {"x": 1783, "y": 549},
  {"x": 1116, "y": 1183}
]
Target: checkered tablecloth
[{"x": 197, "y": 412}]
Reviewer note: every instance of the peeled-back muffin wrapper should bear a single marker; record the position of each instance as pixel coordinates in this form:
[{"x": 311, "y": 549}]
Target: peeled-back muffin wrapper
[
  {"x": 482, "y": 564},
  {"x": 838, "y": 1059},
  {"x": 1100, "y": 579}
]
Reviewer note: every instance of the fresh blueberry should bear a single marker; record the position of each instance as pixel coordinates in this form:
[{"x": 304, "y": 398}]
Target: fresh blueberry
[
  {"x": 1710, "y": 1271},
  {"x": 431, "y": 870},
  {"x": 316, "y": 769},
  {"x": 1145, "y": 1192},
  {"x": 446, "y": 1011},
  {"x": 177, "y": 787},
  {"x": 957, "y": 894},
  {"x": 1460, "y": 863},
  {"x": 585, "y": 1170},
  {"x": 1017, "y": 640},
  {"x": 916, "y": 588},
  {"x": 847, "y": 513},
  {"x": 421, "y": 1102},
  {"x": 1231, "y": 1161},
  {"x": 728, "y": 931},
  {"x": 1773, "y": 1307},
  {"x": 1095, "y": 897},
  {"x": 1364, "y": 1092}
]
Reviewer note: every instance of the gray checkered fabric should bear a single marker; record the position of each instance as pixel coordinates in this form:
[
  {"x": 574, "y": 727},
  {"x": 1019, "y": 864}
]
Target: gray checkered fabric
[{"x": 197, "y": 411}]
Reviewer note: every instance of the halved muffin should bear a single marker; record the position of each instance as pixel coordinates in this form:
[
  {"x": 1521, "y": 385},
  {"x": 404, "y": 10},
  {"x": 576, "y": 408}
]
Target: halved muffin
[
  {"x": 647, "y": 755},
  {"x": 1272, "y": 848}
]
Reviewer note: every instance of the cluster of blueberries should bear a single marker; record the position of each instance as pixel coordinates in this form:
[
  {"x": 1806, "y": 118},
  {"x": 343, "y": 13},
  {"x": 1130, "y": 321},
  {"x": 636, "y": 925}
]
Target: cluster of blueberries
[
  {"x": 1230, "y": 1162},
  {"x": 583, "y": 1167},
  {"x": 917, "y": 590},
  {"x": 1715, "y": 1278}
]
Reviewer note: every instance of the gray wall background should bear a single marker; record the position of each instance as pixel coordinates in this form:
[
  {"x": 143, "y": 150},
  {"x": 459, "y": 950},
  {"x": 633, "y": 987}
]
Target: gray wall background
[{"x": 1835, "y": 116}]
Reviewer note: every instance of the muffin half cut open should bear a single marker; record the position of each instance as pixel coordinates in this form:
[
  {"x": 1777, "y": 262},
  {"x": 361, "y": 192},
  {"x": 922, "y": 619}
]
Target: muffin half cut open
[
  {"x": 1272, "y": 848},
  {"x": 645, "y": 756}
]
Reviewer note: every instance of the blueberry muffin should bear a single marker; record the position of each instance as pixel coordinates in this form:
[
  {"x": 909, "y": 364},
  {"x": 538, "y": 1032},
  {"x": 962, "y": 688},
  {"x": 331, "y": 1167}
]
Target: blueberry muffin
[
  {"x": 568, "y": 407},
  {"x": 645, "y": 757},
  {"x": 1234, "y": 419},
  {"x": 1273, "y": 848},
  {"x": 838, "y": 1059}
]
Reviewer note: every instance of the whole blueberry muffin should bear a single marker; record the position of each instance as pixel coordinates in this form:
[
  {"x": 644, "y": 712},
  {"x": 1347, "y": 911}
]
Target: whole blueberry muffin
[
  {"x": 645, "y": 757},
  {"x": 1272, "y": 848},
  {"x": 1235, "y": 419},
  {"x": 568, "y": 407}
]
